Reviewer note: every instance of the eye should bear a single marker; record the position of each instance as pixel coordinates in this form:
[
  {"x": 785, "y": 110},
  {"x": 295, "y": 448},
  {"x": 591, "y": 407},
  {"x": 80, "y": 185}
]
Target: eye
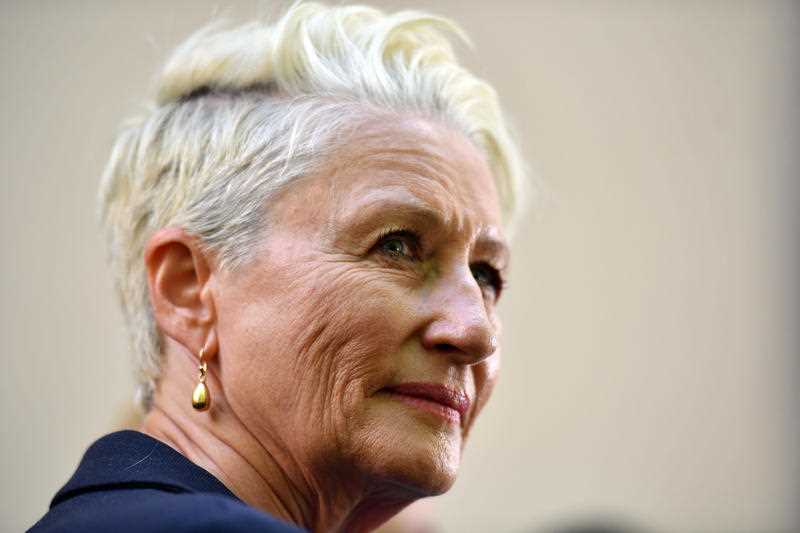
[
  {"x": 488, "y": 278},
  {"x": 401, "y": 244}
]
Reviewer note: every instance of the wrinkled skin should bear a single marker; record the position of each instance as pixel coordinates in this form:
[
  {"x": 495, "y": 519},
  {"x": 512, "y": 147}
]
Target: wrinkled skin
[{"x": 306, "y": 338}]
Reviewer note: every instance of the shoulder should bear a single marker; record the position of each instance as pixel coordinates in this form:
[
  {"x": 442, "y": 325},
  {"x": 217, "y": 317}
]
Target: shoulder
[
  {"x": 150, "y": 510},
  {"x": 130, "y": 482}
]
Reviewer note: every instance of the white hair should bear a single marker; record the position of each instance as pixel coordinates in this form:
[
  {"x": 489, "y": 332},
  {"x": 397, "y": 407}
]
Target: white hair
[{"x": 239, "y": 114}]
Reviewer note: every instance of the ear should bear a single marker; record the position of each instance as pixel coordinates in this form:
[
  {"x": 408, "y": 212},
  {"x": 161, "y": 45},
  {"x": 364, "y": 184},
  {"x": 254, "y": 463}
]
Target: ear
[{"x": 180, "y": 285}]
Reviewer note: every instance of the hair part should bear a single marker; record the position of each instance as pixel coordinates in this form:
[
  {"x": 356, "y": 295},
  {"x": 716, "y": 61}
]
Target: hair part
[{"x": 240, "y": 114}]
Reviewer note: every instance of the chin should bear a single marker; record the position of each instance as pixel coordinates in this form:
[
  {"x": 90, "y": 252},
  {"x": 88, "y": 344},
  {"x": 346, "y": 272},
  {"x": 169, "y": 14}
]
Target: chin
[{"x": 410, "y": 451}]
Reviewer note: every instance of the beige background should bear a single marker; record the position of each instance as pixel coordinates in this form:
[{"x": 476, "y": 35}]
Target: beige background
[{"x": 652, "y": 321}]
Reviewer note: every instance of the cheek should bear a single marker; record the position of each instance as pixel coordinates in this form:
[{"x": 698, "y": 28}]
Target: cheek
[
  {"x": 343, "y": 346},
  {"x": 485, "y": 377},
  {"x": 310, "y": 347}
]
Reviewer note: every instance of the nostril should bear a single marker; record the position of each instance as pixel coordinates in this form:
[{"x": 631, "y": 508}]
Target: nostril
[
  {"x": 460, "y": 333},
  {"x": 447, "y": 348}
]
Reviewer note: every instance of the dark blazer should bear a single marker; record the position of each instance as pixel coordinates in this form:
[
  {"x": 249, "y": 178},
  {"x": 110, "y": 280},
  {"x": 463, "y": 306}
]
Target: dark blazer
[{"x": 130, "y": 482}]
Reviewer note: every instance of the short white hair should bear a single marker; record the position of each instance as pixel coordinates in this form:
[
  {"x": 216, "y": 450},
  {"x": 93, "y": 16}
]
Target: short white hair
[{"x": 240, "y": 113}]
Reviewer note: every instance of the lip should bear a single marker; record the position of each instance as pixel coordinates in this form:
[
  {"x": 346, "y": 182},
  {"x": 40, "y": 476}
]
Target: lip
[{"x": 448, "y": 399}]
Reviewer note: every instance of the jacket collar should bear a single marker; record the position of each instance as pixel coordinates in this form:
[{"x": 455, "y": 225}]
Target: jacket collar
[{"x": 133, "y": 459}]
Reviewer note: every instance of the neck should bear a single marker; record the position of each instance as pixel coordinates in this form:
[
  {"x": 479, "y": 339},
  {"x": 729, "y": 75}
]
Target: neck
[{"x": 264, "y": 475}]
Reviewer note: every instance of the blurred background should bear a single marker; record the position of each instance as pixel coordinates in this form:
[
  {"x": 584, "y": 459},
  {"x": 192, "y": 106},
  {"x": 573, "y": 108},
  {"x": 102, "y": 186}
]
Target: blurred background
[{"x": 651, "y": 368}]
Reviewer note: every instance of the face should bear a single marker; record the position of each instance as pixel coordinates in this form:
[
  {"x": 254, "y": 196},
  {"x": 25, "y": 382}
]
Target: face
[{"x": 362, "y": 338}]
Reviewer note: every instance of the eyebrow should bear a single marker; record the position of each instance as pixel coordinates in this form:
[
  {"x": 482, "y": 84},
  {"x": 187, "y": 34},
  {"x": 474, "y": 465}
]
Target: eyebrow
[
  {"x": 406, "y": 206},
  {"x": 486, "y": 244}
]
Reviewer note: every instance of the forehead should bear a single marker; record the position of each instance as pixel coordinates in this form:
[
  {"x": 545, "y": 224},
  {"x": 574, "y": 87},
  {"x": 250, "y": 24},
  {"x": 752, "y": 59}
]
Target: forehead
[
  {"x": 396, "y": 170},
  {"x": 419, "y": 164}
]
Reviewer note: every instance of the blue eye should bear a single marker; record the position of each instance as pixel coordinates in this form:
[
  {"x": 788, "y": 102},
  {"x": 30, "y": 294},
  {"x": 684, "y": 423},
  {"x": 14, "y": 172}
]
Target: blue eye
[
  {"x": 400, "y": 244},
  {"x": 488, "y": 277},
  {"x": 395, "y": 247},
  {"x": 407, "y": 245}
]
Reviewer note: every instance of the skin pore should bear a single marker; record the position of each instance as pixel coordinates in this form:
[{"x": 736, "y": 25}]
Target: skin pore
[{"x": 382, "y": 270}]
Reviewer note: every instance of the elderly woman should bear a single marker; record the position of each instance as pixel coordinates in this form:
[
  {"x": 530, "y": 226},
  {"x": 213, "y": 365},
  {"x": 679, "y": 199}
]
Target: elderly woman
[{"x": 307, "y": 233}]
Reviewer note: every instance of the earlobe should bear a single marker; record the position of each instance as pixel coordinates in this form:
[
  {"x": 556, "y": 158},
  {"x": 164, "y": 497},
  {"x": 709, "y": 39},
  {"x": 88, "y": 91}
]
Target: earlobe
[
  {"x": 211, "y": 345},
  {"x": 179, "y": 283}
]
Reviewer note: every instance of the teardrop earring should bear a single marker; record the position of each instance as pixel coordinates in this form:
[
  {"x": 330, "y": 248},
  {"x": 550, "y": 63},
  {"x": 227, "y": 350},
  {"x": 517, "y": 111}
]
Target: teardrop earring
[{"x": 201, "y": 399}]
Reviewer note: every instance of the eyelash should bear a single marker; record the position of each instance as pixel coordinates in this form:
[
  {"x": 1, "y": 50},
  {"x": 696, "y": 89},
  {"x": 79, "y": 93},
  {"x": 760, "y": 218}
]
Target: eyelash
[
  {"x": 496, "y": 279},
  {"x": 398, "y": 233}
]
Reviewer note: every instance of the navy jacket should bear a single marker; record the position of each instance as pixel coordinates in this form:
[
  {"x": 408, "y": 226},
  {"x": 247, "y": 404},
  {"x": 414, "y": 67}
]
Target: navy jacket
[{"x": 130, "y": 482}]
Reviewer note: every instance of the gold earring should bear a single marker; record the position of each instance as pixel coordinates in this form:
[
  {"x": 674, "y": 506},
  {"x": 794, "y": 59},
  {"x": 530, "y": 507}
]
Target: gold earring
[{"x": 201, "y": 400}]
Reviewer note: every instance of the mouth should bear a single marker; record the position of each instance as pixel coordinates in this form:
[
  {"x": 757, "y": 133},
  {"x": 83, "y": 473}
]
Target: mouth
[{"x": 449, "y": 404}]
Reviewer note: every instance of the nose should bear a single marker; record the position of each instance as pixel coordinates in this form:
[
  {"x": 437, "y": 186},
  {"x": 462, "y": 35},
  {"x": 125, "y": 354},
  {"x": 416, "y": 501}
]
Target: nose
[{"x": 459, "y": 325}]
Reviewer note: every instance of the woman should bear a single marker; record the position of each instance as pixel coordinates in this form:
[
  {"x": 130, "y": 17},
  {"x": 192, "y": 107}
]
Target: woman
[{"x": 307, "y": 233}]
